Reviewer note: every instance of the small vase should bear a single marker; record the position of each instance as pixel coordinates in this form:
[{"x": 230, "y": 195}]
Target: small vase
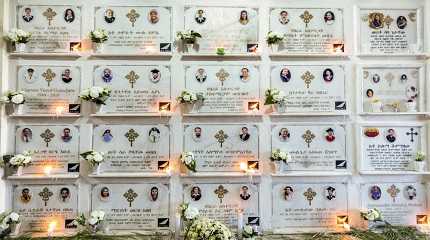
[
  {"x": 15, "y": 228},
  {"x": 411, "y": 106},
  {"x": 20, "y": 47},
  {"x": 279, "y": 108},
  {"x": 274, "y": 47},
  {"x": 190, "y": 47},
  {"x": 420, "y": 166},
  {"x": 19, "y": 171},
  {"x": 99, "y": 47},
  {"x": 100, "y": 108},
  {"x": 279, "y": 166},
  {"x": 18, "y": 109},
  {"x": 377, "y": 107},
  {"x": 187, "y": 107},
  {"x": 98, "y": 169}
]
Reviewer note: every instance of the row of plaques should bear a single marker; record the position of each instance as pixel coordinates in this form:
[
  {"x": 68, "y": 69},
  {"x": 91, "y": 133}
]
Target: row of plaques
[
  {"x": 231, "y": 88},
  {"x": 131, "y": 29},
  {"x": 147, "y": 206},
  {"x": 221, "y": 147}
]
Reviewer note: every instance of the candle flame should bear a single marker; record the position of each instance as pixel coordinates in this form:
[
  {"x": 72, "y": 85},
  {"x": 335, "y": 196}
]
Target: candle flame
[
  {"x": 47, "y": 171},
  {"x": 243, "y": 166},
  {"x": 59, "y": 110},
  {"x": 51, "y": 227}
]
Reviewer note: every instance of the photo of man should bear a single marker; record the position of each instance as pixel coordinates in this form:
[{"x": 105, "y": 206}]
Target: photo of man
[
  {"x": 107, "y": 75},
  {"x": 283, "y": 17},
  {"x": 109, "y": 16},
  {"x": 64, "y": 194},
  {"x": 391, "y": 135},
  {"x": 330, "y": 193},
  {"x": 201, "y": 75},
  {"x": 154, "y": 194},
  {"x": 244, "y": 74},
  {"x": 25, "y": 195},
  {"x": 66, "y": 76},
  {"x": 284, "y": 134},
  {"x": 244, "y": 193},
  {"x": 27, "y": 16},
  {"x": 196, "y": 193},
  {"x": 285, "y": 75},
  {"x": 26, "y": 135},
  {"x": 66, "y": 137},
  {"x": 197, "y": 134},
  {"x": 154, "y": 135},
  {"x": 69, "y": 15},
  {"x": 30, "y": 76},
  {"x": 153, "y": 16},
  {"x": 244, "y": 135},
  {"x": 200, "y": 16},
  {"x": 155, "y": 75},
  {"x": 329, "y": 135}
]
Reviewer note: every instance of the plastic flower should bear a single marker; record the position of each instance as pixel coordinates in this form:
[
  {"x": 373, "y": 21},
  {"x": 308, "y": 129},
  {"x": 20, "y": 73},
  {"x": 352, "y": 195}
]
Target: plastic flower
[{"x": 191, "y": 213}]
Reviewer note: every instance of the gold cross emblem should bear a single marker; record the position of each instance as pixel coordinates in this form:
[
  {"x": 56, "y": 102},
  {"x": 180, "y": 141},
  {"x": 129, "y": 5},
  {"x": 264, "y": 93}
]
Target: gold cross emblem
[
  {"x": 389, "y": 77},
  {"x": 393, "y": 191},
  {"x": 49, "y": 14},
  {"x": 132, "y": 16},
  {"x": 130, "y": 195},
  {"x": 308, "y": 77},
  {"x": 222, "y": 75},
  {"x": 306, "y": 17},
  {"x": 221, "y": 137},
  {"x": 309, "y": 194},
  {"x": 308, "y": 137},
  {"x": 49, "y": 75},
  {"x": 47, "y": 136},
  {"x": 45, "y": 194},
  {"x": 132, "y": 77},
  {"x": 131, "y": 135},
  {"x": 388, "y": 20},
  {"x": 220, "y": 192}
]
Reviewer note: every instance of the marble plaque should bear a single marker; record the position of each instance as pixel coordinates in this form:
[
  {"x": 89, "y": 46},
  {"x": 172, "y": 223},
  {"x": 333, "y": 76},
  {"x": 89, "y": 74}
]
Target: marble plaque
[
  {"x": 54, "y": 28},
  {"x": 227, "y": 88},
  {"x": 222, "y": 147},
  {"x": 135, "y": 88},
  {"x": 56, "y": 146},
  {"x": 222, "y": 201},
  {"x": 133, "y": 148},
  {"x": 136, "y": 29},
  {"x": 312, "y": 147},
  {"x": 399, "y": 203},
  {"x": 391, "y": 148},
  {"x": 309, "y": 30},
  {"x": 133, "y": 206},
  {"x": 392, "y": 89},
  {"x": 233, "y": 28},
  {"x": 39, "y": 205},
  {"x": 390, "y": 31},
  {"x": 50, "y": 88},
  {"x": 297, "y": 205},
  {"x": 311, "y": 89}
]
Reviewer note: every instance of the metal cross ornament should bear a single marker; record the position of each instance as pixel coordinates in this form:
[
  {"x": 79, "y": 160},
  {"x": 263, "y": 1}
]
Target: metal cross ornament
[
  {"x": 310, "y": 194},
  {"x": 132, "y": 78},
  {"x": 388, "y": 20},
  {"x": 393, "y": 191},
  {"x": 308, "y": 136},
  {"x": 49, "y": 75},
  {"x": 130, "y": 195},
  {"x": 47, "y": 136},
  {"x": 308, "y": 77},
  {"x": 222, "y": 75},
  {"x": 306, "y": 17},
  {"x": 412, "y": 133},
  {"x": 45, "y": 194},
  {"x": 221, "y": 191},
  {"x": 131, "y": 135},
  {"x": 49, "y": 14},
  {"x": 221, "y": 137},
  {"x": 132, "y": 16}
]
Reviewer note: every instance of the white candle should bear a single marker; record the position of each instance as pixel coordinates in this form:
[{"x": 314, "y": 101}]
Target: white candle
[
  {"x": 239, "y": 223},
  {"x": 51, "y": 228},
  {"x": 178, "y": 226},
  {"x": 48, "y": 170}
]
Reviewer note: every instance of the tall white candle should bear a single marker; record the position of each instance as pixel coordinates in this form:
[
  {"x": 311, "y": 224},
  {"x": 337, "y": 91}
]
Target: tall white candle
[
  {"x": 178, "y": 226},
  {"x": 239, "y": 223}
]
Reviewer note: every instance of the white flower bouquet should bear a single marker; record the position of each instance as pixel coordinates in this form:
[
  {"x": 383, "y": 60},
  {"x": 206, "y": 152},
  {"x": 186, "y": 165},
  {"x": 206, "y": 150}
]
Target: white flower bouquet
[
  {"x": 278, "y": 155},
  {"x": 204, "y": 228},
  {"x": 94, "y": 158},
  {"x": 188, "y": 213},
  {"x": 21, "y": 160},
  {"x": 97, "y": 95},
  {"x": 14, "y": 97},
  {"x": 188, "y": 97},
  {"x": 7, "y": 220},
  {"x": 98, "y": 36},
  {"x": 274, "y": 38},
  {"x": 371, "y": 215},
  {"x": 188, "y": 36},
  {"x": 95, "y": 221},
  {"x": 18, "y": 36},
  {"x": 188, "y": 159},
  {"x": 249, "y": 231},
  {"x": 274, "y": 96},
  {"x": 420, "y": 156}
]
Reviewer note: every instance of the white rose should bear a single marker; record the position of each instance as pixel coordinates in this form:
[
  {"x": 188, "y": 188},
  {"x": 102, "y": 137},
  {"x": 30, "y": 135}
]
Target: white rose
[
  {"x": 14, "y": 160},
  {"x": 98, "y": 215},
  {"x": 191, "y": 212},
  {"x": 27, "y": 160},
  {"x": 248, "y": 229},
  {"x": 98, "y": 157},
  {"x": 94, "y": 93},
  {"x": 90, "y": 157},
  {"x": 92, "y": 221},
  {"x": 14, "y": 216},
  {"x": 194, "y": 97},
  {"x": 373, "y": 215},
  {"x": 18, "y": 99},
  {"x": 85, "y": 92},
  {"x": 283, "y": 155},
  {"x": 5, "y": 99},
  {"x": 188, "y": 159},
  {"x": 187, "y": 98}
]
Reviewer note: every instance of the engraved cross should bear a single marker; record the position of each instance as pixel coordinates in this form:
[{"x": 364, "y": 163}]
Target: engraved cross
[
  {"x": 412, "y": 133},
  {"x": 132, "y": 16},
  {"x": 306, "y": 17},
  {"x": 47, "y": 136},
  {"x": 308, "y": 136},
  {"x": 393, "y": 191},
  {"x": 45, "y": 194},
  {"x": 308, "y": 77},
  {"x": 222, "y": 75},
  {"x": 132, "y": 78},
  {"x": 309, "y": 194},
  {"x": 130, "y": 195},
  {"x": 220, "y": 191},
  {"x": 221, "y": 137},
  {"x": 131, "y": 135},
  {"x": 49, "y": 14},
  {"x": 49, "y": 75}
]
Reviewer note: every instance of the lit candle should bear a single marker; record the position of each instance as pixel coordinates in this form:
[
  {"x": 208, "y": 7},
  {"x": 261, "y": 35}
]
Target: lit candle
[
  {"x": 51, "y": 228},
  {"x": 239, "y": 223},
  {"x": 243, "y": 167},
  {"x": 59, "y": 111},
  {"x": 178, "y": 225},
  {"x": 48, "y": 170},
  {"x": 346, "y": 227}
]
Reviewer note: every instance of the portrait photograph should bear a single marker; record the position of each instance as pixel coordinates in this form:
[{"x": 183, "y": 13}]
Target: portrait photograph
[
  {"x": 66, "y": 136},
  {"x": 69, "y": 15},
  {"x": 244, "y": 134},
  {"x": 390, "y": 135},
  {"x": 154, "y": 75},
  {"x": 196, "y": 193},
  {"x": 107, "y": 75},
  {"x": 200, "y": 16},
  {"x": 107, "y": 136},
  {"x": 201, "y": 75},
  {"x": 329, "y": 17},
  {"x": 109, "y": 16},
  {"x": 284, "y": 135},
  {"x": 376, "y": 20},
  {"x": 375, "y": 192},
  {"x": 25, "y": 195},
  {"x": 288, "y": 193},
  {"x": 328, "y": 75},
  {"x": 104, "y": 194},
  {"x": 197, "y": 134},
  {"x": 64, "y": 194},
  {"x": 410, "y": 192},
  {"x": 244, "y": 193},
  {"x": 283, "y": 17},
  {"x": 402, "y": 22},
  {"x": 243, "y": 19},
  {"x": 27, "y": 15},
  {"x": 30, "y": 75},
  {"x": 154, "y": 135},
  {"x": 154, "y": 194},
  {"x": 153, "y": 16},
  {"x": 285, "y": 75},
  {"x": 66, "y": 76},
  {"x": 26, "y": 135},
  {"x": 244, "y": 74}
]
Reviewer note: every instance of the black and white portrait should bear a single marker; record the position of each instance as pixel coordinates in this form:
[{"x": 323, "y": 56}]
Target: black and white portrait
[
  {"x": 244, "y": 134},
  {"x": 328, "y": 75},
  {"x": 154, "y": 135},
  {"x": 104, "y": 194},
  {"x": 410, "y": 192},
  {"x": 200, "y": 16},
  {"x": 66, "y": 76},
  {"x": 64, "y": 194},
  {"x": 288, "y": 193},
  {"x": 25, "y": 195},
  {"x": 26, "y": 135},
  {"x": 201, "y": 75},
  {"x": 330, "y": 193},
  {"x": 284, "y": 135},
  {"x": 376, "y": 78},
  {"x": 244, "y": 74},
  {"x": 154, "y": 194},
  {"x": 154, "y": 75},
  {"x": 285, "y": 75},
  {"x": 109, "y": 16},
  {"x": 69, "y": 15},
  {"x": 197, "y": 134},
  {"x": 283, "y": 17},
  {"x": 196, "y": 193},
  {"x": 390, "y": 135},
  {"x": 107, "y": 75},
  {"x": 243, "y": 19},
  {"x": 27, "y": 15},
  {"x": 244, "y": 193},
  {"x": 30, "y": 76},
  {"x": 66, "y": 136},
  {"x": 402, "y": 22},
  {"x": 329, "y": 17}
]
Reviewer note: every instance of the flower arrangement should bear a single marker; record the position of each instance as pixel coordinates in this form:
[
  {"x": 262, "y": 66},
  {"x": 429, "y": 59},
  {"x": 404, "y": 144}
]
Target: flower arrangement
[
  {"x": 98, "y": 36},
  {"x": 18, "y": 36},
  {"x": 420, "y": 156},
  {"x": 21, "y": 160},
  {"x": 94, "y": 222},
  {"x": 371, "y": 215},
  {"x": 188, "y": 97},
  {"x": 188, "y": 212},
  {"x": 274, "y": 38},
  {"x": 94, "y": 158},
  {"x": 188, "y": 159},
  {"x": 6, "y": 220},
  {"x": 278, "y": 155},
  {"x": 249, "y": 232},
  {"x": 274, "y": 96},
  {"x": 188, "y": 36},
  {"x": 14, "y": 97},
  {"x": 220, "y": 51},
  {"x": 98, "y": 95}
]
